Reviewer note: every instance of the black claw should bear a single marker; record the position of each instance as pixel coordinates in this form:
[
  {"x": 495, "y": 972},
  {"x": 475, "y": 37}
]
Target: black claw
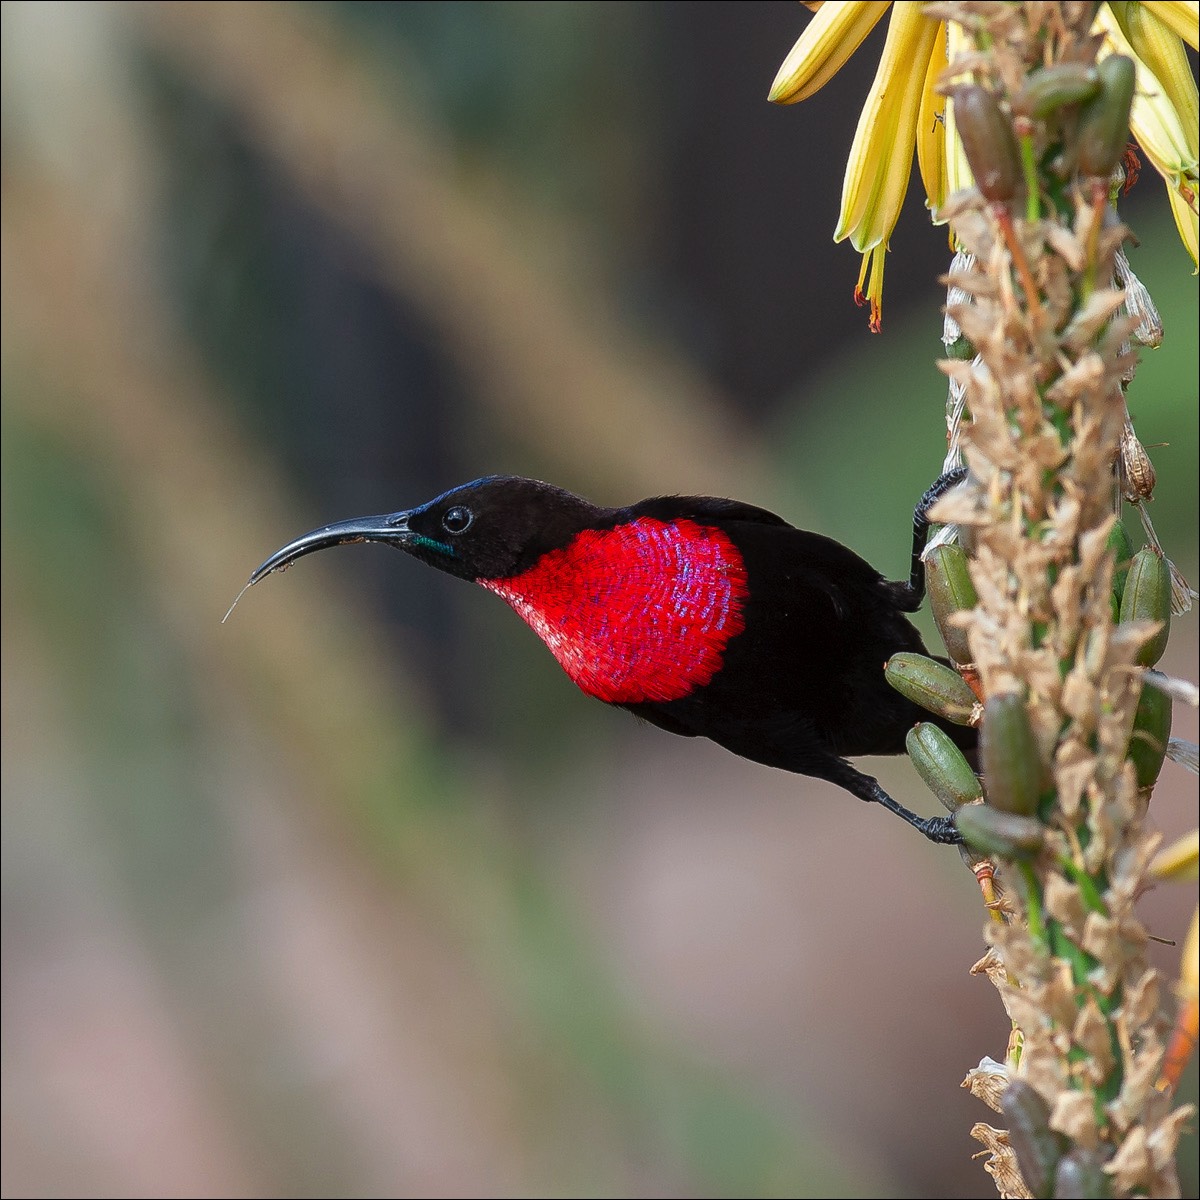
[
  {"x": 916, "y": 577},
  {"x": 941, "y": 830}
]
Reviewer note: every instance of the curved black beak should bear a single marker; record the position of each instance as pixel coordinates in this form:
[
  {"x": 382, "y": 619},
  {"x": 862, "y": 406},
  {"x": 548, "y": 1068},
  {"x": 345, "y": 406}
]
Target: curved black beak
[{"x": 392, "y": 530}]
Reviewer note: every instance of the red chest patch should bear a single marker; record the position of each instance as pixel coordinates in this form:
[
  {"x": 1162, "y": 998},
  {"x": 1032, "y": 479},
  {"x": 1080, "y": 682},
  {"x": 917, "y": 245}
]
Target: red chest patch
[{"x": 637, "y": 613}]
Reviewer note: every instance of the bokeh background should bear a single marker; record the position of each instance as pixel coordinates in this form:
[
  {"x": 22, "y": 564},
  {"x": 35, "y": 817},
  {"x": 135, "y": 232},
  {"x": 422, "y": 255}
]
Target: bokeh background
[{"x": 354, "y": 894}]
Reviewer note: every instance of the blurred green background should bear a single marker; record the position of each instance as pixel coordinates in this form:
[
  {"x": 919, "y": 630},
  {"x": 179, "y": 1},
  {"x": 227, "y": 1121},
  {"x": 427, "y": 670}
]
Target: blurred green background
[{"x": 354, "y": 894}]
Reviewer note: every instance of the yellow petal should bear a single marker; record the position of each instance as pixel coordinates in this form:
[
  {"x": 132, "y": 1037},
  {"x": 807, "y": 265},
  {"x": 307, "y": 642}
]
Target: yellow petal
[
  {"x": 1153, "y": 120},
  {"x": 1183, "y": 16},
  {"x": 1180, "y": 860},
  {"x": 1189, "y": 967},
  {"x": 931, "y": 130},
  {"x": 1181, "y": 1044},
  {"x": 831, "y": 37},
  {"x": 1166, "y": 107},
  {"x": 958, "y": 171},
  {"x": 1159, "y": 47},
  {"x": 882, "y": 153},
  {"x": 1187, "y": 222}
]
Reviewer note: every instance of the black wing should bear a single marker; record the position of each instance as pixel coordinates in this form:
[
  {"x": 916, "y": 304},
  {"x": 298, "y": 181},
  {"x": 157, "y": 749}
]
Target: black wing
[{"x": 704, "y": 508}]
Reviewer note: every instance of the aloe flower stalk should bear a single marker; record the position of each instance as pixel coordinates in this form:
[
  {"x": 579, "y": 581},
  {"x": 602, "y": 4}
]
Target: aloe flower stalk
[{"x": 1036, "y": 104}]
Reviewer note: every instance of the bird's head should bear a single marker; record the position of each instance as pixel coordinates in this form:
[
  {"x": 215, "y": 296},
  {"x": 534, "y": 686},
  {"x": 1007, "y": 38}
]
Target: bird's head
[{"x": 493, "y": 528}]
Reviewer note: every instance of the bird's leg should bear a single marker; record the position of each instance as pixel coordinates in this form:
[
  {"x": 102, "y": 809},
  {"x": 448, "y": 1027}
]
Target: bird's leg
[
  {"x": 937, "y": 829},
  {"x": 916, "y": 578}
]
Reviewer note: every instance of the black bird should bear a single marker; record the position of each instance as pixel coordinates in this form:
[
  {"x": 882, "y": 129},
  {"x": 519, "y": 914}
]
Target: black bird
[{"x": 707, "y": 617}]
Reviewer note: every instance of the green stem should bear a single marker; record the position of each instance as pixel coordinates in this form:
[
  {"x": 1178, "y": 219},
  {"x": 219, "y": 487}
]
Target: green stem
[
  {"x": 1033, "y": 206},
  {"x": 1033, "y": 905},
  {"x": 1087, "y": 885}
]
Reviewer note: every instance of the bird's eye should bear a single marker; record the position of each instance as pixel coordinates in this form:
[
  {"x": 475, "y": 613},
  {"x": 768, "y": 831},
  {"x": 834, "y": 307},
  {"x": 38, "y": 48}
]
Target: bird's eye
[{"x": 457, "y": 519}]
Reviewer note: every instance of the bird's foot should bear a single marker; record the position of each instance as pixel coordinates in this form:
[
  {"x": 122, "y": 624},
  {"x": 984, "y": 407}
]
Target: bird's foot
[{"x": 941, "y": 830}]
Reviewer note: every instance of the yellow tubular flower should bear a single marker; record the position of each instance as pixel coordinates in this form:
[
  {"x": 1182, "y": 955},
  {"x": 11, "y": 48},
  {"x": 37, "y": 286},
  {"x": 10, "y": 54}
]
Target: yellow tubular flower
[
  {"x": 931, "y": 130},
  {"x": 1188, "y": 224},
  {"x": 1161, "y": 50},
  {"x": 882, "y": 152},
  {"x": 1158, "y": 46},
  {"x": 1182, "y": 17},
  {"x": 1154, "y": 121},
  {"x": 1189, "y": 970},
  {"x": 1181, "y": 1044},
  {"x": 958, "y": 170},
  {"x": 1180, "y": 861},
  {"x": 822, "y": 50}
]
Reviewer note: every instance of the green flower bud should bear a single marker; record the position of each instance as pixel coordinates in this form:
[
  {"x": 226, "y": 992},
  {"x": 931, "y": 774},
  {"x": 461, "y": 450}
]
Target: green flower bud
[
  {"x": 1104, "y": 121},
  {"x": 1147, "y": 597},
  {"x": 993, "y": 833},
  {"x": 1050, "y": 88},
  {"x": 961, "y": 349},
  {"x": 1080, "y": 1176},
  {"x": 1122, "y": 551},
  {"x": 932, "y": 685},
  {"x": 1012, "y": 767},
  {"x": 987, "y": 138},
  {"x": 1037, "y": 1147},
  {"x": 948, "y": 584},
  {"x": 941, "y": 765},
  {"x": 1151, "y": 732}
]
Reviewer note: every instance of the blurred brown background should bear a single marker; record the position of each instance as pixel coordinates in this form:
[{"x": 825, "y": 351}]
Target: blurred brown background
[{"x": 355, "y": 895}]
